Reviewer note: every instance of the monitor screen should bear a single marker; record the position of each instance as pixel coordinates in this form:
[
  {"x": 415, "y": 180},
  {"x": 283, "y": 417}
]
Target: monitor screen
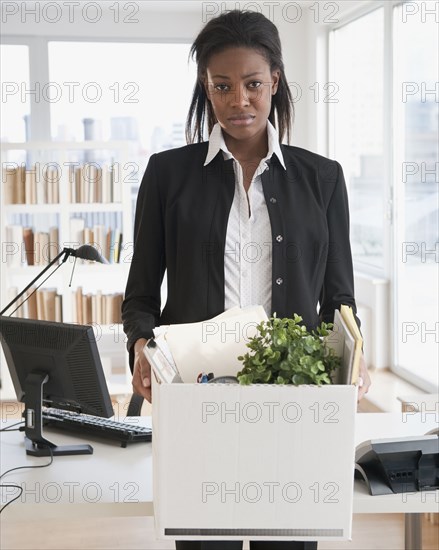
[{"x": 67, "y": 354}]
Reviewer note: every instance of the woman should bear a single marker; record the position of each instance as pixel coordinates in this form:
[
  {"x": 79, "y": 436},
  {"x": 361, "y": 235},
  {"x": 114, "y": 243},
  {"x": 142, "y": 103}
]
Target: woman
[{"x": 240, "y": 219}]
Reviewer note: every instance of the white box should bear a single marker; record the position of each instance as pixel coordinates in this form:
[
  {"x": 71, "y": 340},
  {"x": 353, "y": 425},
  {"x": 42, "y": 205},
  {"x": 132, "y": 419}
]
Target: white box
[{"x": 255, "y": 462}]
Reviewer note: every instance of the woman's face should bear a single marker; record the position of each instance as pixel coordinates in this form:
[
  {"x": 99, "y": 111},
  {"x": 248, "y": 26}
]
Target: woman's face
[{"x": 240, "y": 86}]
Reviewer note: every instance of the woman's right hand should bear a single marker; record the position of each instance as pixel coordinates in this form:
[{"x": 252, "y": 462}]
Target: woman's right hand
[{"x": 142, "y": 371}]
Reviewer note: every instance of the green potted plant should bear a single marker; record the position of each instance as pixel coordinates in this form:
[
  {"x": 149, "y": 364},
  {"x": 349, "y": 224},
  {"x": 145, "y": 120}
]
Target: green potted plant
[{"x": 285, "y": 352}]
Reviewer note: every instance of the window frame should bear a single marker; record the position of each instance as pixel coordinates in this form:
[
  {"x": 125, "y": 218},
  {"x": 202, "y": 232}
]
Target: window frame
[
  {"x": 40, "y": 120},
  {"x": 391, "y": 151}
]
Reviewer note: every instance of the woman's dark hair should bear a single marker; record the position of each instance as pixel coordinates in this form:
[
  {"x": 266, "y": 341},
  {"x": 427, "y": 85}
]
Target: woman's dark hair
[{"x": 238, "y": 29}]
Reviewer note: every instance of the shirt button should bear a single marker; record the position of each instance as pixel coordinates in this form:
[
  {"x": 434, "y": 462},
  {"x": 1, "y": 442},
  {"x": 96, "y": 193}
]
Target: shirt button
[
  {"x": 279, "y": 281},
  {"x": 279, "y": 238},
  {"x": 273, "y": 200}
]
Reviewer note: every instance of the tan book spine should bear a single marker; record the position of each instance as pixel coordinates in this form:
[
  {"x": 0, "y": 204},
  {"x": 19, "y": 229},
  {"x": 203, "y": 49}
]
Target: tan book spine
[
  {"x": 49, "y": 303},
  {"x": 20, "y": 194},
  {"x": 94, "y": 312},
  {"x": 113, "y": 309},
  {"x": 78, "y": 181},
  {"x": 33, "y": 189},
  {"x": 54, "y": 248},
  {"x": 55, "y": 183},
  {"x": 48, "y": 176},
  {"x": 116, "y": 184},
  {"x": 79, "y": 316},
  {"x": 84, "y": 309},
  {"x": 85, "y": 183},
  {"x": 10, "y": 175},
  {"x": 99, "y": 318},
  {"x": 14, "y": 246},
  {"x": 71, "y": 183},
  {"x": 100, "y": 237},
  {"x": 41, "y": 189},
  {"x": 106, "y": 185},
  {"x": 32, "y": 301},
  {"x": 88, "y": 309},
  {"x": 105, "y": 309},
  {"x": 41, "y": 241},
  {"x": 91, "y": 182},
  {"x": 118, "y": 312},
  {"x": 40, "y": 306},
  {"x": 30, "y": 190},
  {"x": 88, "y": 235},
  {"x": 58, "y": 308}
]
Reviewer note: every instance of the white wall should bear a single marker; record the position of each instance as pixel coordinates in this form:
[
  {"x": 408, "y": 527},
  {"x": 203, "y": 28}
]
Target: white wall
[{"x": 86, "y": 21}]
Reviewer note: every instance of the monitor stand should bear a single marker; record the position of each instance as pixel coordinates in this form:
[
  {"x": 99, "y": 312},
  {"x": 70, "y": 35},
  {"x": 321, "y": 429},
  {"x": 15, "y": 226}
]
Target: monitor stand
[{"x": 36, "y": 444}]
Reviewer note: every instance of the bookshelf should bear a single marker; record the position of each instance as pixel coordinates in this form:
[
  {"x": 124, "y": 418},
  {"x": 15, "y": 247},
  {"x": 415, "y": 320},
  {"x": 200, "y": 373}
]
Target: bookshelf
[{"x": 81, "y": 199}]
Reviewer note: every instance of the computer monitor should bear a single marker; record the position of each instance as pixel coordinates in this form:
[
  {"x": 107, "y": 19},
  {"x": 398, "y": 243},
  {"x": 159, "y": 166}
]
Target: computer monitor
[{"x": 56, "y": 365}]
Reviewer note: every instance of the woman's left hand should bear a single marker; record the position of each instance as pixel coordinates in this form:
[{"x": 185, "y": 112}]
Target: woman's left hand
[{"x": 364, "y": 381}]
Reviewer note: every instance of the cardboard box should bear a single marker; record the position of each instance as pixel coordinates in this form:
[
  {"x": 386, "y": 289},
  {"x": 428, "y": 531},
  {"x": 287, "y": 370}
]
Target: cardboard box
[{"x": 257, "y": 462}]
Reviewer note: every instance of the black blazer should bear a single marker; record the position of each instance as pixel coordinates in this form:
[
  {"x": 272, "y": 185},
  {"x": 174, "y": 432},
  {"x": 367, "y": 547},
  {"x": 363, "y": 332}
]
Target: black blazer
[{"x": 181, "y": 222}]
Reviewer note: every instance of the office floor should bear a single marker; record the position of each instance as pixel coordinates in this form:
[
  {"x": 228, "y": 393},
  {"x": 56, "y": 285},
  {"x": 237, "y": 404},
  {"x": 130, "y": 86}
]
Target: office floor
[{"x": 370, "y": 532}]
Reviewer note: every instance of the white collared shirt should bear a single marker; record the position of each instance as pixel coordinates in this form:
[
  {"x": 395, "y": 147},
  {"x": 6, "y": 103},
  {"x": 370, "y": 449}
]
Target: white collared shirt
[{"x": 247, "y": 254}]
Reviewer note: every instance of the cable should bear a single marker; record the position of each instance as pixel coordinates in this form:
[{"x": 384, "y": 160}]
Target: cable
[
  {"x": 8, "y": 428},
  {"x": 15, "y": 498},
  {"x": 21, "y": 468}
]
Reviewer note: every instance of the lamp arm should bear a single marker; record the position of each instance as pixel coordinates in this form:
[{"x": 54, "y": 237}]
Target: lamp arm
[{"x": 66, "y": 251}]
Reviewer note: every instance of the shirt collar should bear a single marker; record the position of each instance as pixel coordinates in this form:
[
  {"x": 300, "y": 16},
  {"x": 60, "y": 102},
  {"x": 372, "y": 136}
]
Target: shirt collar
[{"x": 217, "y": 143}]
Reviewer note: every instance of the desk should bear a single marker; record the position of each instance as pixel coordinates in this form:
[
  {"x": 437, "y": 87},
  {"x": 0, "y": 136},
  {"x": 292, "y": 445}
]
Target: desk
[
  {"x": 113, "y": 481},
  {"x": 117, "y": 481}
]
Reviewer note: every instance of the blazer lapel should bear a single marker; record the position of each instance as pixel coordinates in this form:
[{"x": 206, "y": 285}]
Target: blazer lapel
[{"x": 219, "y": 177}]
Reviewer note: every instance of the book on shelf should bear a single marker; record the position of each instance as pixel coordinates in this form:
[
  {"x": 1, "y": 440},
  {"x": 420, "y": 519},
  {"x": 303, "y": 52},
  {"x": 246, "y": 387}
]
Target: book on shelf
[
  {"x": 14, "y": 245},
  {"x": 99, "y": 308},
  {"x": 54, "y": 247},
  {"x": 346, "y": 340},
  {"x": 106, "y": 240},
  {"x": 24, "y": 246},
  {"x": 52, "y": 176},
  {"x": 89, "y": 183},
  {"x": 26, "y": 185},
  {"x": 44, "y": 304},
  {"x": 20, "y": 186},
  {"x": 30, "y": 187},
  {"x": 9, "y": 176},
  {"x": 41, "y": 240},
  {"x": 92, "y": 183},
  {"x": 46, "y": 246}
]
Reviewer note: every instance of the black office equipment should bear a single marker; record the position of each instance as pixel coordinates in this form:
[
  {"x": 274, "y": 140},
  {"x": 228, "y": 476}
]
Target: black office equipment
[
  {"x": 58, "y": 365},
  {"x": 402, "y": 465},
  {"x": 111, "y": 430}
]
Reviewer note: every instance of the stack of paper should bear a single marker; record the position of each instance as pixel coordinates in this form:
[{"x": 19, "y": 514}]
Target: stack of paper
[
  {"x": 185, "y": 350},
  {"x": 346, "y": 340}
]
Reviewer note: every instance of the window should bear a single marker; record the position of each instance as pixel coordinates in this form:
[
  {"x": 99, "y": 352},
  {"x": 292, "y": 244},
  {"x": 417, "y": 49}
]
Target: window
[
  {"x": 15, "y": 106},
  {"x": 384, "y": 131},
  {"x": 131, "y": 91},
  {"x": 357, "y": 138},
  {"x": 416, "y": 125}
]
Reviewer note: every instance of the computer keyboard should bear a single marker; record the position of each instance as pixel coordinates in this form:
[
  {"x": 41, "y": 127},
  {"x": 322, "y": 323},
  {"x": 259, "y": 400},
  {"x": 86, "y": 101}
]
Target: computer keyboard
[{"x": 85, "y": 424}]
